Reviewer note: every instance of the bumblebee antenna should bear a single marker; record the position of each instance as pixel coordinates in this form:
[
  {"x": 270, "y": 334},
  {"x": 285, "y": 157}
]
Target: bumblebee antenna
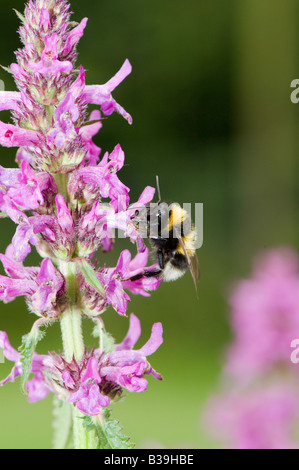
[{"x": 158, "y": 188}]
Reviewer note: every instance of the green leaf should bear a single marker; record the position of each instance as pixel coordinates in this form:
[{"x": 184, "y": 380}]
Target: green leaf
[
  {"x": 89, "y": 274},
  {"x": 27, "y": 349},
  {"x": 62, "y": 424},
  {"x": 109, "y": 432},
  {"x": 3, "y": 215}
]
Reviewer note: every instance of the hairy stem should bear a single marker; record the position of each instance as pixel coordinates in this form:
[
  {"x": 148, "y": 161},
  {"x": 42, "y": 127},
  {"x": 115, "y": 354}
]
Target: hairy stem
[
  {"x": 83, "y": 439},
  {"x": 73, "y": 346},
  {"x": 70, "y": 320},
  {"x": 62, "y": 185}
]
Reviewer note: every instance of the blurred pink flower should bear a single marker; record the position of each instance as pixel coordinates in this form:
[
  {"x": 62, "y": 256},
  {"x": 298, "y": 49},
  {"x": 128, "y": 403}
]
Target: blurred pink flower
[
  {"x": 265, "y": 316},
  {"x": 263, "y": 418}
]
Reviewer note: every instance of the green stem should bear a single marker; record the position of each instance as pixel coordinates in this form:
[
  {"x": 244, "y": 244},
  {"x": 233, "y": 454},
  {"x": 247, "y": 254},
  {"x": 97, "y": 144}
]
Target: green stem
[
  {"x": 62, "y": 184},
  {"x": 73, "y": 346},
  {"x": 70, "y": 324},
  {"x": 70, "y": 321},
  {"x": 83, "y": 439}
]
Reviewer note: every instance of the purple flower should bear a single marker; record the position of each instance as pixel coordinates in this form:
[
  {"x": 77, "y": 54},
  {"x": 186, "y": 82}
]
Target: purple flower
[
  {"x": 102, "y": 181},
  {"x": 49, "y": 63},
  {"x": 66, "y": 114},
  {"x": 27, "y": 229},
  {"x": 123, "y": 368},
  {"x": 24, "y": 187},
  {"x": 97, "y": 379},
  {"x": 76, "y": 202},
  {"x": 12, "y": 355},
  {"x": 9, "y": 100},
  {"x": 115, "y": 280},
  {"x": 49, "y": 283},
  {"x": 12, "y": 136},
  {"x": 101, "y": 94},
  {"x": 126, "y": 366},
  {"x": 123, "y": 220},
  {"x": 88, "y": 398},
  {"x": 41, "y": 286},
  {"x": 73, "y": 37},
  {"x": 129, "y": 377},
  {"x": 36, "y": 387}
]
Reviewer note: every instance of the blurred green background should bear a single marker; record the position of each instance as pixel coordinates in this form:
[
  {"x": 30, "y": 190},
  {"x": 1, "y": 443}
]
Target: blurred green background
[{"x": 212, "y": 116}]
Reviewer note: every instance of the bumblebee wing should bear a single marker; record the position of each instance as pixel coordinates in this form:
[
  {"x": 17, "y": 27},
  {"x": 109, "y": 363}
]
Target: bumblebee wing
[
  {"x": 192, "y": 263},
  {"x": 195, "y": 267}
]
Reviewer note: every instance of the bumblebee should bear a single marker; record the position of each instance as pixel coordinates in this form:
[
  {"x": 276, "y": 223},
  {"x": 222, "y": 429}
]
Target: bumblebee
[{"x": 172, "y": 236}]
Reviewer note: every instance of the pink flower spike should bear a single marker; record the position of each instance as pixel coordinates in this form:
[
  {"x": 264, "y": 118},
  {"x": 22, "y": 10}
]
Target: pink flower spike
[{"x": 12, "y": 136}]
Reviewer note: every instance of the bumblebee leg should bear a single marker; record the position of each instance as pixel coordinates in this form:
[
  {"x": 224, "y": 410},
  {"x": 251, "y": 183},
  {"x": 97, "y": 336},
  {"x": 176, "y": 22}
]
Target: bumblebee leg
[
  {"x": 153, "y": 273},
  {"x": 161, "y": 259}
]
